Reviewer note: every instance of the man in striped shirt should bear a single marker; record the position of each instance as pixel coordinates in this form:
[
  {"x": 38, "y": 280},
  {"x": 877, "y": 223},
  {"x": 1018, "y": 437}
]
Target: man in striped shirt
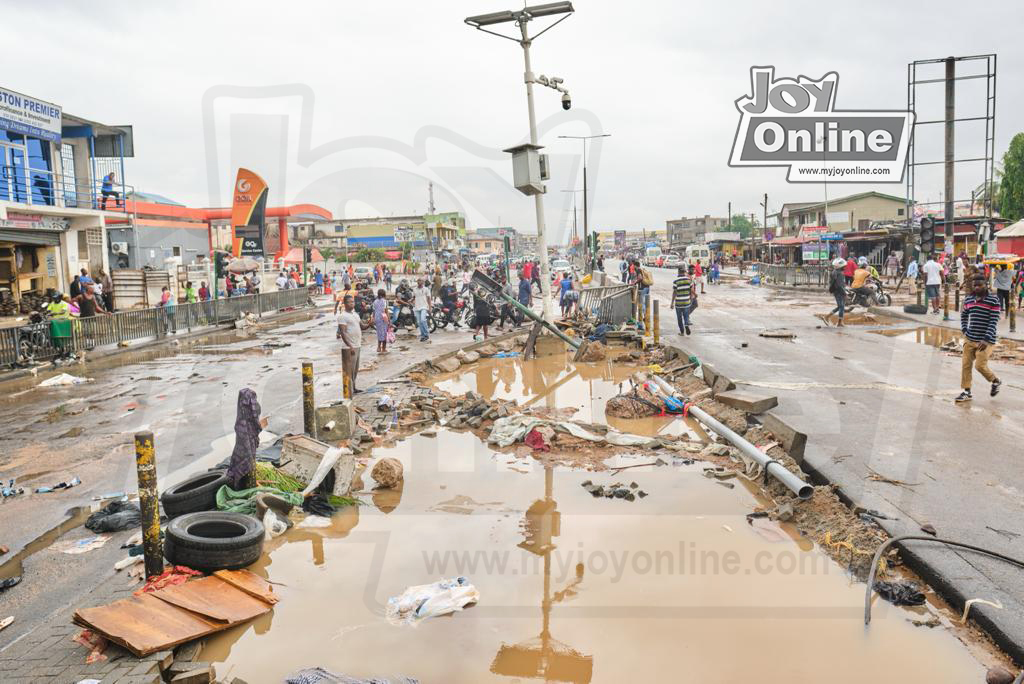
[
  {"x": 682, "y": 299},
  {"x": 978, "y": 318}
]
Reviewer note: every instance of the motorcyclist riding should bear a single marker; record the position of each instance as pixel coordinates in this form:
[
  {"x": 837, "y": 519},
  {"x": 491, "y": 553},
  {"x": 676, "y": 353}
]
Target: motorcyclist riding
[
  {"x": 403, "y": 297},
  {"x": 449, "y": 295}
]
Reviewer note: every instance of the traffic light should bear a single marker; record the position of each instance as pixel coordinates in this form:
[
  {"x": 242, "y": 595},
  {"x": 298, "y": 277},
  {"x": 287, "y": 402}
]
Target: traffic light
[
  {"x": 927, "y": 235},
  {"x": 220, "y": 264}
]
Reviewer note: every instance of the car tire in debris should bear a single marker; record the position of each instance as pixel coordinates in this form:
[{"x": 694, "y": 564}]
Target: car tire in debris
[
  {"x": 197, "y": 493},
  {"x": 915, "y": 309},
  {"x": 214, "y": 540}
]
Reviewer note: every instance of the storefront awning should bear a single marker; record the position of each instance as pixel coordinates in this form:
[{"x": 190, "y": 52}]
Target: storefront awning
[{"x": 31, "y": 237}]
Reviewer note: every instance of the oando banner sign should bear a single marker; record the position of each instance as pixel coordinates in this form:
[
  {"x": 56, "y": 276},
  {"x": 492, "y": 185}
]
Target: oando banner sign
[{"x": 793, "y": 122}]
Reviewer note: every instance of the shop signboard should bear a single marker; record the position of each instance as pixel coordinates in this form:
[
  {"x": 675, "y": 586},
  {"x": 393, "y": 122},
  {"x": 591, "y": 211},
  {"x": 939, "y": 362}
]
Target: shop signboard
[
  {"x": 29, "y": 116},
  {"x": 620, "y": 239},
  {"x": 248, "y": 214},
  {"x": 814, "y": 251}
]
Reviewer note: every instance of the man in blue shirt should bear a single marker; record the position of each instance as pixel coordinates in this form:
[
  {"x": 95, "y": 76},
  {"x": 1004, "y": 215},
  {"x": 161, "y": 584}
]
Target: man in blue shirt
[
  {"x": 108, "y": 189},
  {"x": 525, "y": 291}
]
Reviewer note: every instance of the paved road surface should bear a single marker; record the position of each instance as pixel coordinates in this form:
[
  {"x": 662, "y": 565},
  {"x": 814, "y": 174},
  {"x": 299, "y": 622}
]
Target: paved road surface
[{"x": 874, "y": 402}]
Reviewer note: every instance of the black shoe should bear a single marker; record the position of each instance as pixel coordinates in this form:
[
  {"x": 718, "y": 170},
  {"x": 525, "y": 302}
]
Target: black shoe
[
  {"x": 688, "y": 330},
  {"x": 995, "y": 387},
  {"x": 964, "y": 396}
]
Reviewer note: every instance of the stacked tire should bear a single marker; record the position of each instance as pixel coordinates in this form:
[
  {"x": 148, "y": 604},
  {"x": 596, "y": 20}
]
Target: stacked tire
[
  {"x": 197, "y": 493},
  {"x": 214, "y": 540}
]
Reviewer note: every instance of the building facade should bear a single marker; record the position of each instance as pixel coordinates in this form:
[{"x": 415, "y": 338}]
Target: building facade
[
  {"x": 689, "y": 231},
  {"x": 843, "y": 214}
]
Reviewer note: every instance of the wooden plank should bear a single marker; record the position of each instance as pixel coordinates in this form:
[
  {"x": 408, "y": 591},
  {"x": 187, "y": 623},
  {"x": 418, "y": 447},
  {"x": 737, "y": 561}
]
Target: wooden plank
[
  {"x": 145, "y": 624},
  {"x": 250, "y": 583},
  {"x": 531, "y": 341},
  {"x": 215, "y": 599}
]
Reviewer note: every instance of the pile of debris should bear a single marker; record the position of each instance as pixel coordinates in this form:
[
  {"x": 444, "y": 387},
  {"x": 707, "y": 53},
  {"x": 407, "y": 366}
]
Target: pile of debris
[
  {"x": 616, "y": 490},
  {"x": 1009, "y": 351}
]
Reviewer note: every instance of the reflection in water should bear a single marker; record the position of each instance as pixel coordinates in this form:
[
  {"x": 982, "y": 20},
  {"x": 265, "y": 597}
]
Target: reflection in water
[
  {"x": 931, "y": 335},
  {"x": 544, "y": 657}
]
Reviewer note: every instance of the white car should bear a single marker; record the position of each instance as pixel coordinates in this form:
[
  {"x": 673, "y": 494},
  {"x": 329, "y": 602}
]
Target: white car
[
  {"x": 363, "y": 273},
  {"x": 560, "y": 265},
  {"x": 672, "y": 261}
]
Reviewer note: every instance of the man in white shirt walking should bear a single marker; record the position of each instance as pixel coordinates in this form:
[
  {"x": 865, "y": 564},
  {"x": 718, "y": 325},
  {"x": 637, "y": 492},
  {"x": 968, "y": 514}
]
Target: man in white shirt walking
[
  {"x": 932, "y": 282},
  {"x": 420, "y": 307},
  {"x": 351, "y": 335}
]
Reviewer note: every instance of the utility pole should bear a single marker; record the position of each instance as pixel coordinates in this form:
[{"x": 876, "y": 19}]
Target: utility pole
[
  {"x": 764, "y": 227},
  {"x": 949, "y": 161},
  {"x": 430, "y": 205}
]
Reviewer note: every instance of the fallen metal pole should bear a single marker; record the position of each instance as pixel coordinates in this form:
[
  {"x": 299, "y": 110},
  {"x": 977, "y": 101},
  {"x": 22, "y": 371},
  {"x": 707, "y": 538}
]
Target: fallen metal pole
[
  {"x": 770, "y": 465},
  {"x": 488, "y": 283},
  {"x": 149, "y": 503}
]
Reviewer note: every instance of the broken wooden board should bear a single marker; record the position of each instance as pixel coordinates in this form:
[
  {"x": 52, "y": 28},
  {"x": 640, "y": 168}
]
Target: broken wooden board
[
  {"x": 160, "y": 620},
  {"x": 215, "y": 599},
  {"x": 250, "y": 583},
  {"x": 780, "y": 334},
  {"x": 750, "y": 402}
]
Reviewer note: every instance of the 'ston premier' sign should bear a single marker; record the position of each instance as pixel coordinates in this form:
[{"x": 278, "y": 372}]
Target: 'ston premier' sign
[{"x": 29, "y": 116}]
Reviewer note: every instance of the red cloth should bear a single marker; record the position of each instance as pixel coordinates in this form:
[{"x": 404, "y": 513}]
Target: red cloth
[
  {"x": 850, "y": 267},
  {"x": 170, "y": 577},
  {"x": 528, "y": 270},
  {"x": 535, "y": 441}
]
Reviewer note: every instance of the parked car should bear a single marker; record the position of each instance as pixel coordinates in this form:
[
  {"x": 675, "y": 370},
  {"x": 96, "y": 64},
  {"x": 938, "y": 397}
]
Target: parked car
[
  {"x": 672, "y": 261},
  {"x": 364, "y": 273}
]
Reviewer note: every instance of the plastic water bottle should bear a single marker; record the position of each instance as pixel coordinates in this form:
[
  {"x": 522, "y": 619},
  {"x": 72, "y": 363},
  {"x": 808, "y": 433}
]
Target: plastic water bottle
[{"x": 43, "y": 490}]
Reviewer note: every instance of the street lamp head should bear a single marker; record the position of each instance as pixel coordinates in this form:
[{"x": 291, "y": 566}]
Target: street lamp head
[
  {"x": 548, "y": 9},
  {"x": 525, "y": 14},
  {"x": 492, "y": 18}
]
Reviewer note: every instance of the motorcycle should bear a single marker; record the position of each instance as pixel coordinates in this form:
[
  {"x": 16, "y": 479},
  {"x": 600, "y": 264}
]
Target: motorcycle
[
  {"x": 32, "y": 338},
  {"x": 872, "y": 294},
  {"x": 442, "y": 316},
  {"x": 491, "y": 307},
  {"x": 405, "y": 318},
  {"x": 364, "y": 309}
]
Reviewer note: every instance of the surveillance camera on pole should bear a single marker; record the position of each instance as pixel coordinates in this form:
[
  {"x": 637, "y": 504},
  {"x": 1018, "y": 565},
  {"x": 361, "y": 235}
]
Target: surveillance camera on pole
[{"x": 526, "y": 159}]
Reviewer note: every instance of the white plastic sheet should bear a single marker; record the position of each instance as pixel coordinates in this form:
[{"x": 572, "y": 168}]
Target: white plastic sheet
[
  {"x": 511, "y": 429},
  {"x": 430, "y": 600}
]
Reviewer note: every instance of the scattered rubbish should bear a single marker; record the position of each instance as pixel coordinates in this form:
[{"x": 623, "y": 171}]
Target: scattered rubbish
[
  {"x": 318, "y": 675},
  {"x": 769, "y": 530},
  {"x": 96, "y": 644},
  {"x": 172, "y": 576},
  {"x": 314, "y": 521},
  {"x": 616, "y": 490},
  {"x": 970, "y": 602},
  {"x": 9, "y": 582},
  {"x": 274, "y": 525},
  {"x": 302, "y": 458},
  {"x": 214, "y": 540},
  {"x": 536, "y": 439},
  {"x": 780, "y": 334},
  {"x": 928, "y": 528},
  {"x": 901, "y": 593},
  {"x": 875, "y": 476},
  {"x": 998, "y": 675},
  {"x": 60, "y": 485},
  {"x": 115, "y": 516},
  {"x": 127, "y": 562},
  {"x": 159, "y": 620},
  {"x": 111, "y": 495},
  {"x": 64, "y": 379},
  {"x": 387, "y": 472},
  {"x": 247, "y": 500},
  {"x": 430, "y": 600},
  {"x": 6, "y": 622},
  {"x": 511, "y": 429},
  {"x": 505, "y": 355},
  {"x": 76, "y": 546},
  {"x": 726, "y": 528},
  {"x": 727, "y": 485},
  {"x": 385, "y": 403},
  {"x": 784, "y": 511}
]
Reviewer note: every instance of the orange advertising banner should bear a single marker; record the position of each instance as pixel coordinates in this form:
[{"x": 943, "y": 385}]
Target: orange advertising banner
[{"x": 248, "y": 214}]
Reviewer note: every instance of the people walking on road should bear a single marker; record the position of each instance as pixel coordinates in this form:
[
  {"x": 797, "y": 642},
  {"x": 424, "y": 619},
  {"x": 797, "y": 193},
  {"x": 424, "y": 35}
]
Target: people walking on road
[
  {"x": 837, "y": 288},
  {"x": 387, "y": 278},
  {"x": 851, "y": 266},
  {"x": 912, "y": 273},
  {"x": 421, "y": 306},
  {"x": 381, "y": 321},
  {"x": 535, "y": 276},
  {"x": 978, "y": 318},
  {"x": 715, "y": 272},
  {"x": 318, "y": 282},
  {"x": 248, "y": 426},
  {"x": 350, "y": 333},
  {"x": 600, "y": 263},
  {"x": 1004, "y": 283},
  {"x": 682, "y": 299},
  {"x": 892, "y": 267},
  {"x": 438, "y": 283},
  {"x": 525, "y": 290},
  {"x": 932, "y": 280},
  {"x": 698, "y": 275},
  {"x": 481, "y": 314}
]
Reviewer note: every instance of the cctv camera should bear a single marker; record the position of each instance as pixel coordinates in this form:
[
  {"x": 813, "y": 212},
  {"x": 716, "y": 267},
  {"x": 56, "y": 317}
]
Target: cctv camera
[{"x": 566, "y": 101}]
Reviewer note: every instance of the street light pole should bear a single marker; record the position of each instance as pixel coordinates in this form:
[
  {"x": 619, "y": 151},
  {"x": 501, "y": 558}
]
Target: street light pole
[{"x": 586, "y": 225}]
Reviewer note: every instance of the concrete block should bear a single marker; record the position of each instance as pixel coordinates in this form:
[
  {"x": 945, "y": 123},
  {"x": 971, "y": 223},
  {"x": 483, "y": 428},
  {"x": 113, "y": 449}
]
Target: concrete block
[
  {"x": 722, "y": 384},
  {"x": 748, "y": 401},
  {"x": 342, "y": 414},
  {"x": 792, "y": 440},
  {"x": 301, "y": 455},
  {"x": 201, "y": 675}
]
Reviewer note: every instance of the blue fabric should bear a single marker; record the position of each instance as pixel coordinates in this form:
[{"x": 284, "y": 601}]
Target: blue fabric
[{"x": 524, "y": 292}]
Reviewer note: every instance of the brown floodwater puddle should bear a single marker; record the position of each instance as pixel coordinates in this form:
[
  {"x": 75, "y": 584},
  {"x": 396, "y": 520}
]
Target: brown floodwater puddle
[
  {"x": 13, "y": 566},
  {"x": 673, "y": 587},
  {"x": 931, "y": 335}
]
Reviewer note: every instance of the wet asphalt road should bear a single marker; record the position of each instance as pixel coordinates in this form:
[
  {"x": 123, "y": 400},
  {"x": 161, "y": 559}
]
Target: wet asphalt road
[{"x": 185, "y": 392}]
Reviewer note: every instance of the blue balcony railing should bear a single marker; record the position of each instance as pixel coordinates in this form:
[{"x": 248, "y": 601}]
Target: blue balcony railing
[{"x": 33, "y": 187}]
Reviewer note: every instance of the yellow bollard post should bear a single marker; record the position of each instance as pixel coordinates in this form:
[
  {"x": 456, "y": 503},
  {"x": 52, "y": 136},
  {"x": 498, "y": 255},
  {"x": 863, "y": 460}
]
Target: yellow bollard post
[
  {"x": 657, "y": 324},
  {"x": 308, "y": 407},
  {"x": 647, "y": 315},
  {"x": 945, "y": 301},
  {"x": 145, "y": 466},
  {"x": 1012, "y": 312}
]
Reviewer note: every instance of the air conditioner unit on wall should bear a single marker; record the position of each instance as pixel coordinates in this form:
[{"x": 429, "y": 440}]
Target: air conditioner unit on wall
[{"x": 119, "y": 247}]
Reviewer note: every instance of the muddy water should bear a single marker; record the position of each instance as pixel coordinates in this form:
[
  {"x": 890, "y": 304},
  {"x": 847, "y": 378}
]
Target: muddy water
[
  {"x": 931, "y": 335},
  {"x": 553, "y": 381},
  {"x": 13, "y": 566},
  {"x": 673, "y": 587}
]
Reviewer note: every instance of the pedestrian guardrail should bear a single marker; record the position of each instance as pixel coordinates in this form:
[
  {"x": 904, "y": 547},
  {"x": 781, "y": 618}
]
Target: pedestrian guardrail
[
  {"x": 794, "y": 275},
  {"x": 610, "y": 304},
  {"x": 44, "y": 342}
]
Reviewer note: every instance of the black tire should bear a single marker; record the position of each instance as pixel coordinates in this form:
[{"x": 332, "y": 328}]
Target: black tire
[
  {"x": 214, "y": 540},
  {"x": 431, "y": 323},
  {"x": 197, "y": 493},
  {"x": 884, "y": 299},
  {"x": 915, "y": 309}
]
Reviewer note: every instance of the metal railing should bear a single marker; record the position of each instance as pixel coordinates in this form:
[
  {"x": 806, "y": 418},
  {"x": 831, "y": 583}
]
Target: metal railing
[
  {"x": 809, "y": 275},
  {"x": 610, "y": 304},
  {"x": 34, "y": 342},
  {"x": 37, "y": 187}
]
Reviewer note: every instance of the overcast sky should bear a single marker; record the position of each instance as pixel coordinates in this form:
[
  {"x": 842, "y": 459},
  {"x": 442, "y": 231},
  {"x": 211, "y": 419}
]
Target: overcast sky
[{"x": 356, "y": 106}]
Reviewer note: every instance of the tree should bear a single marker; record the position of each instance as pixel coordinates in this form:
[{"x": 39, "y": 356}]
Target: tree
[
  {"x": 1011, "y": 185},
  {"x": 742, "y": 224}
]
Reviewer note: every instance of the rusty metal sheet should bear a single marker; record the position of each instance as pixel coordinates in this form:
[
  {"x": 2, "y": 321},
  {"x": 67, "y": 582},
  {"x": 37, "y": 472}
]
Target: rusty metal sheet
[
  {"x": 145, "y": 624},
  {"x": 215, "y": 599},
  {"x": 250, "y": 583}
]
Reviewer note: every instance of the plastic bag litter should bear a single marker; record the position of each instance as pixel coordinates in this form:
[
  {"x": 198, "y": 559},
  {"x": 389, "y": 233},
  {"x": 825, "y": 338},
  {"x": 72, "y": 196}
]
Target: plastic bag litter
[
  {"x": 511, "y": 429},
  {"x": 313, "y": 521},
  {"x": 64, "y": 379},
  {"x": 273, "y": 525},
  {"x": 430, "y": 600},
  {"x": 77, "y": 546},
  {"x": 330, "y": 458},
  {"x": 115, "y": 516},
  {"x": 901, "y": 593},
  {"x": 318, "y": 675}
]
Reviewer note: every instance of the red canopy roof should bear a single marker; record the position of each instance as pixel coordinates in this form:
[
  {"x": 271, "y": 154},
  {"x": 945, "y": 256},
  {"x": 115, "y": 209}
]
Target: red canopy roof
[{"x": 294, "y": 255}]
